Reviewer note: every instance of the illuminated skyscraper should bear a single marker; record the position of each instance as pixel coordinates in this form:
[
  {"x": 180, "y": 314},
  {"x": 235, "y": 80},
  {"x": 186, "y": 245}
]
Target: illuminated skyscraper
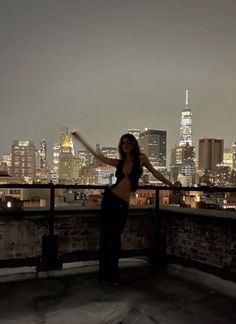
[
  {"x": 153, "y": 144},
  {"x": 106, "y": 173},
  {"x": 135, "y": 131},
  {"x": 83, "y": 158},
  {"x": 55, "y": 163},
  {"x": 5, "y": 163},
  {"x": 227, "y": 161},
  {"x": 110, "y": 152},
  {"x": 234, "y": 154},
  {"x": 65, "y": 132},
  {"x": 23, "y": 160},
  {"x": 43, "y": 154},
  {"x": 186, "y": 124},
  {"x": 182, "y": 165},
  {"x": 66, "y": 168},
  {"x": 233, "y": 172}
]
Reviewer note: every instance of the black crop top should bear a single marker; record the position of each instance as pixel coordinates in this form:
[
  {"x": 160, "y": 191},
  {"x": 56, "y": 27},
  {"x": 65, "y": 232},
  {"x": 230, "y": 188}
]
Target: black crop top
[{"x": 134, "y": 174}]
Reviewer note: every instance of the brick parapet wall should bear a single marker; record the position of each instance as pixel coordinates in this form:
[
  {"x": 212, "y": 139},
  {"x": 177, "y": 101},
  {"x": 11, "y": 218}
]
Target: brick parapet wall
[
  {"x": 81, "y": 232},
  {"x": 21, "y": 238},
  {"x": 198, "y": 238}
]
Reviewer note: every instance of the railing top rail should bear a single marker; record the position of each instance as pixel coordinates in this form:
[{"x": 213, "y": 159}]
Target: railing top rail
[{"x": 147, "y": 187}]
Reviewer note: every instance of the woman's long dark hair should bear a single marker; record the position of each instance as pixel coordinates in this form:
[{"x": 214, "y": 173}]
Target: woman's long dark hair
[{"x": 136, "y": 150}]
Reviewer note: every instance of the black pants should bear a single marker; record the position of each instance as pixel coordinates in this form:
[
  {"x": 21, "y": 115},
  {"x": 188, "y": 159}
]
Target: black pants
[{"x": 113, "y": 220}]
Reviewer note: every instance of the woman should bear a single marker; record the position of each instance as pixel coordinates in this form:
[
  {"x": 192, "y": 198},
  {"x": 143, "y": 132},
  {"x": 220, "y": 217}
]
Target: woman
[{"x": 116, "y": 199}]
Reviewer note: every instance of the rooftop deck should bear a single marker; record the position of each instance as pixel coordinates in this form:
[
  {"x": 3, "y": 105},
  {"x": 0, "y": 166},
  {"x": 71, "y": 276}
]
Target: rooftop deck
[
  {"x": 44, "y": 239},
  {"x": 145, "y": 296}
]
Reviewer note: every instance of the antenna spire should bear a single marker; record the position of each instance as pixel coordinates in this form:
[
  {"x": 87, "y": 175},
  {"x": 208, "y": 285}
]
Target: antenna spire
[{"x": 186, "y": 98}]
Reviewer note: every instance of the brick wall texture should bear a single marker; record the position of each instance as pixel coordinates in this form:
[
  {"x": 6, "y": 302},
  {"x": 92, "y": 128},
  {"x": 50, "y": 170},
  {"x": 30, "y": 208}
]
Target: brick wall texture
[{"x": 205, "y": 242}]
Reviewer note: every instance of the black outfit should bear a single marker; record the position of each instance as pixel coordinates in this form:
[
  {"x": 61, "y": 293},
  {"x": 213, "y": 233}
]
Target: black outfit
[
  {"x": 134, "y": 174},
  {"x": 113, "y": 220}
]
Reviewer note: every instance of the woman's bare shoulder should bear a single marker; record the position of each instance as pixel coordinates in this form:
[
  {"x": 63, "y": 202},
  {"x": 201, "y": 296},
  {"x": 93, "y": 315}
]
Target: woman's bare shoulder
[{"x": 142, "y": 157}]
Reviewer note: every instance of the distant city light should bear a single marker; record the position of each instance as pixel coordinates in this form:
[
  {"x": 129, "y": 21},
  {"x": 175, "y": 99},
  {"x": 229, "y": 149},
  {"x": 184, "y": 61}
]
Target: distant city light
[{"x": 9, "y": 205}]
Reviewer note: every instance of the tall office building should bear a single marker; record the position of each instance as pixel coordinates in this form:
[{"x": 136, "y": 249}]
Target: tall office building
[
  {"x": 106, "y": 173},
  {"x": 210, "y": 153},
  {"x": 228, "y": 161},
  {"x": 234, "y": 155},
  {"x": 5, "y": 163},
  {"x": 186, "y": 124},
  {"x": 66, "y": 166},
  {"x": 153, "y": 144},
  {"x": 43, "y": 154},
  {"x": 55, "y": 163},
  {"x": 96, "y": 162},
  {"x": 221, "y": 175},
  {"x": 23, "y": 160},
  {"x": 83, "y": 157},
  {"x": 65, "y": 133},
  {"x": 110, "y": 152},
  {"x": 135, "y": 131},
  {"x": 182, "y": 166},
  {"x": 42, "y": 171},
  {"x": 233, "y": 172}
]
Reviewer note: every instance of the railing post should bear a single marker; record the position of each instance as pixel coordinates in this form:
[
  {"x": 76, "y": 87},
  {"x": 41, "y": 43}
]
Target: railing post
[
  {"x": 159, "y": 252},
  {"x": 157, "y": 205},
  {"x": 50, "y": 242},
  {"x": 52, "y": 210}
]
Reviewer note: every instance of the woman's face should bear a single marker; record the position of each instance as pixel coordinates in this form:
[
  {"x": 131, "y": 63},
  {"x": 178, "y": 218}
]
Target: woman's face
[{"x": 126, "y": 145}]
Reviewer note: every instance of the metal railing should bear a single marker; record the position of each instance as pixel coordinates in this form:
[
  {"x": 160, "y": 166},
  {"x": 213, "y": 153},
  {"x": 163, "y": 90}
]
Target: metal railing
[
  {"x": 50, "y": 242},
  {"x": 52, "y": 208},
  {"x": 52, "y": 190}
]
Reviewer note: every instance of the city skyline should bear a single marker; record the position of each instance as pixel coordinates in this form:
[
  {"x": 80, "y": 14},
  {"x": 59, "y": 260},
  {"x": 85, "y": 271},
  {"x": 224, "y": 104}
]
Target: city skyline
[
  {"x": 77, "y": 147},
  {"x": 45, "y": 157},
  {"x": 104, "y": 67}
]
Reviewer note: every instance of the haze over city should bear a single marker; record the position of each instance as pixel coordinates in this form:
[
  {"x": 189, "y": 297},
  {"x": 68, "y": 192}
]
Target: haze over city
[{"x": 106, "y": 66}]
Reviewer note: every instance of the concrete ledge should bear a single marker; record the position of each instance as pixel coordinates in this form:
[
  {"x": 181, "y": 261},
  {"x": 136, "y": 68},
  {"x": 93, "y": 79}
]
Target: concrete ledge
[
  {"x": 209, "y": 213},
  {"x": 194, "y": 275}
]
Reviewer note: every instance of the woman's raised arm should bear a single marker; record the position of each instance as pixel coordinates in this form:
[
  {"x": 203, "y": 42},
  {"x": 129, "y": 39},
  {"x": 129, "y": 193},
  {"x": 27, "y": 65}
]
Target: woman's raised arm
[
  {"x": 99, "y": 156},
  {"x": 146, "y": 163}
]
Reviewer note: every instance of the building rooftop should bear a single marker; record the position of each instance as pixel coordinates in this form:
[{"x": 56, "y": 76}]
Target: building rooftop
[
  {"x": 145, "y": 296},
  {"x": 183, "y": 241}
]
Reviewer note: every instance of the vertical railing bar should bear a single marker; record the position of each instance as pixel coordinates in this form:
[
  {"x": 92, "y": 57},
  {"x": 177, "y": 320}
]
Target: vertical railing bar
[
  {"x": 52, "y": 209},
  {"x": 157, "y": 205}
]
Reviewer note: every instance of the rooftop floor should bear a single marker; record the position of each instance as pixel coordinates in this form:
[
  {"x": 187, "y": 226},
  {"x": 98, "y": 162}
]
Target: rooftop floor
[{"x": 145, "y": 296}]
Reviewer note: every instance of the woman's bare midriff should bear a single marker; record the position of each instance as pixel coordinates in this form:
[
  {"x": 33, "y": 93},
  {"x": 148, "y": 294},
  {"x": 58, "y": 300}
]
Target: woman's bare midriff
[{"x": 123, "y": 189}]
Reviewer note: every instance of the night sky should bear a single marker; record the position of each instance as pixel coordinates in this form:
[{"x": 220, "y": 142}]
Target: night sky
[{"x": 104, "y": 66}]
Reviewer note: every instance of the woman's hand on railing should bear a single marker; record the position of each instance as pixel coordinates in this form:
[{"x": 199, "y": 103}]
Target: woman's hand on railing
[{"x": 178, "y": 184}]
